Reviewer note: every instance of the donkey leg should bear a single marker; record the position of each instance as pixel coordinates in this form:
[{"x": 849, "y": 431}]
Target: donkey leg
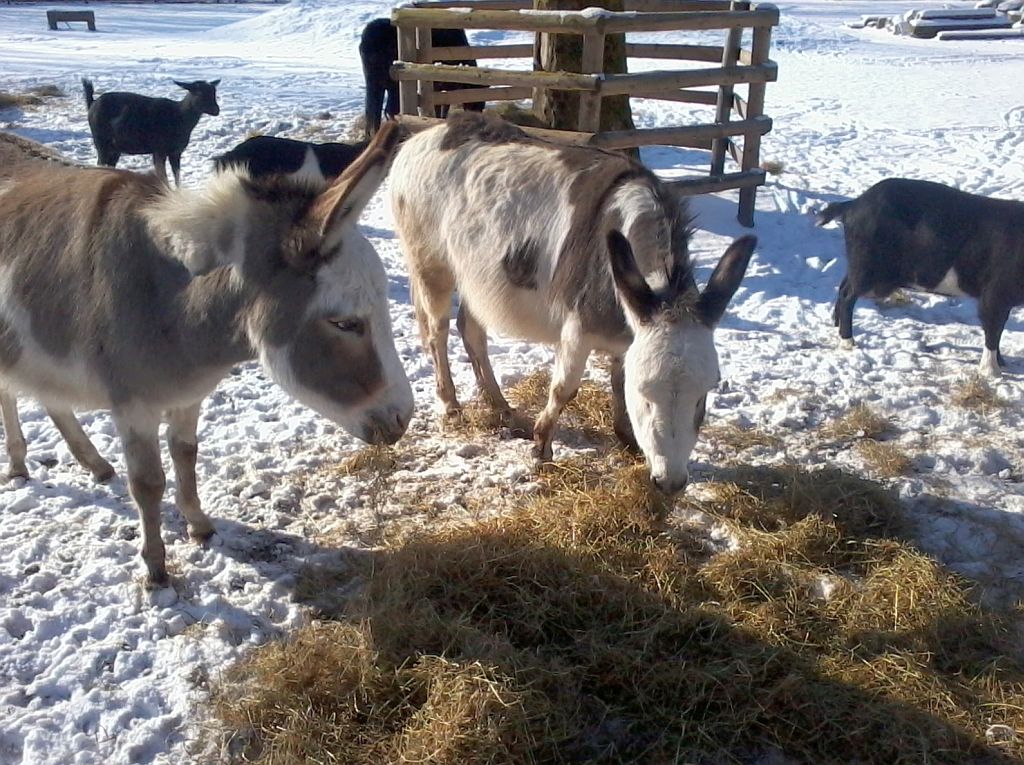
[
  {"x": 141, "y": 439},
  {"x": 570, "y": 361},
  {"x": 432, "y": 296},
  {"x": 80, "y": 445},
  {"x": 620, "y": 416},
  {"x": 184, "y": 446},
  {"x": 474, "y": 338},
  {"x": 16, "y": 448}
]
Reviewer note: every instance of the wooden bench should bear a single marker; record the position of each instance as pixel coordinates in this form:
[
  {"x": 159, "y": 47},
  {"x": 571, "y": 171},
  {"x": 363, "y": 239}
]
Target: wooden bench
[{"x": 52, "y": 17}]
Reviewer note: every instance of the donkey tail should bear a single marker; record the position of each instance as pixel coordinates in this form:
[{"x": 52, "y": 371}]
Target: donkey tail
[
  {"x": 831, "y": 212},
  {"x": 87, "y": 88}
]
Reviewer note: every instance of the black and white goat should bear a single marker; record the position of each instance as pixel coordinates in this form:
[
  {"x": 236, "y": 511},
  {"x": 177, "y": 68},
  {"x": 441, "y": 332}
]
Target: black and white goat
[
  {"x": 926, "y": 236},
  {"x": 269, "y": 155},
  {"x": 378, "y": 49},
  {"x": 129, "y": 123}
]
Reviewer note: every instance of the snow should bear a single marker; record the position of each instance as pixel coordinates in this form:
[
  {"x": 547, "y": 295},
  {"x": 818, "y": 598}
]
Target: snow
[{"x": 93, "y": 668}]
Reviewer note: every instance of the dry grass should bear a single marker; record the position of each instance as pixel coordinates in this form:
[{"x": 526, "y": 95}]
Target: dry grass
[
  {"x": 896, "y": 298},
  {"x": 884, "y": 458},
  {"x": 859, "y": 421},
  {"x": 737, "y": 438},
  {"x": 977, "y": 394},
  {"x": 31, "y": 97},
  {"x": 585, "y": 628},
  {"x": 589, "y": 413}
]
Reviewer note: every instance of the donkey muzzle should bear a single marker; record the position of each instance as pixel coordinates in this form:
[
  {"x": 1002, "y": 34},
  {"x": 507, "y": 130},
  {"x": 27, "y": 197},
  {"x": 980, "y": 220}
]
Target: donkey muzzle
[{"x": 385, "y": 427}]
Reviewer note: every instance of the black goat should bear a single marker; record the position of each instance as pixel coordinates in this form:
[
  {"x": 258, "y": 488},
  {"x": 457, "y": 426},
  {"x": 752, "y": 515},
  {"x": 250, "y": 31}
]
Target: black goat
[
  {"x": 267, "y": 155},
  {"x": 378, "y": 49},
  {"x": 926, "y": 236},
  {"x": 129, "y": 123}
]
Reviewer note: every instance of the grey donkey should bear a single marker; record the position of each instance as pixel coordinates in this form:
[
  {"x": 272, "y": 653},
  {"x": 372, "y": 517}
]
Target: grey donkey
[{"x": 98, "y": 307}]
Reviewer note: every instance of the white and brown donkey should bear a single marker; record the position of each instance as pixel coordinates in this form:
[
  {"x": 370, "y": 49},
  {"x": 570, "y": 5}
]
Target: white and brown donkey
[
  {"x": 98, "y": 308},
  {"x": 572, "y": 246}
]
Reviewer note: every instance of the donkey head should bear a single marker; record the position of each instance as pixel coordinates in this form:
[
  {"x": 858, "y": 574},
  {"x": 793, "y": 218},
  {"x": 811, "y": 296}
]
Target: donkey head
[
  {"x": 203, "y": 94},
  {"x": 319, "y": 317},
  {"x": 672, "y": 363}
]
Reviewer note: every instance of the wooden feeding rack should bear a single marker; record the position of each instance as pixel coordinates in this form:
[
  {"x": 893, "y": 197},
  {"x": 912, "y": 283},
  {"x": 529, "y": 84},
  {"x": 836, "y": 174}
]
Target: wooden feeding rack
[{"x": 714, "y": 84}]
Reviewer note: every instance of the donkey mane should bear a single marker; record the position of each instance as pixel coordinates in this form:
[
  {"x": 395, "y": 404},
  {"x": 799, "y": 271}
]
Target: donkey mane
[{"x": 188, "y": 220}]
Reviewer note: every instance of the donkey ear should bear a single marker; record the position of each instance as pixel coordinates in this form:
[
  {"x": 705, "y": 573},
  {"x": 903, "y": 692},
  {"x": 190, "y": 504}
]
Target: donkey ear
[
  {"x": 636, "y": 293},
  {"x": 344, "y": 200},
  {"x": 725, "y": 280}
]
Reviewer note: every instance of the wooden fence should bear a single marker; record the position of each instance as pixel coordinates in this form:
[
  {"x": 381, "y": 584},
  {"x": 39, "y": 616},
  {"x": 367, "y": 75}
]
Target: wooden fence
[{"x": 734, "y": 116}]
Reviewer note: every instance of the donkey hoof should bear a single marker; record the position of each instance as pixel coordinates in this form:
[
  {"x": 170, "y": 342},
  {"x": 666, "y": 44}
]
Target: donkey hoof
[
  {"x": 19, "y": 471},
  {"x": 202, "y": 534},
  {"x": 542, "y": 454},
  {"x": 157, "y": 580},
  {"x": 103, "y": 473}
]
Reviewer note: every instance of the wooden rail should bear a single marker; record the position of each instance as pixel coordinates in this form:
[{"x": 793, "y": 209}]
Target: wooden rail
[{"x": 734, "y": 131}]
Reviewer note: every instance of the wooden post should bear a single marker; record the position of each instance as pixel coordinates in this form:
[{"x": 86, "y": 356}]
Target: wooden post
[
  {"x": 592, "y": 63},
  {"x": 407, "y": 52},
  {"x": 723, "y": 107},
  {"x": 424, "y": 44},
  {"x": 762, "y": 40}
]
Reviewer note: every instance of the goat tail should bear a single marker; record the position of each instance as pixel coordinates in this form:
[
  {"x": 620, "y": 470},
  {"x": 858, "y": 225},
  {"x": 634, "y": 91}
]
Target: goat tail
[
  {"x": 89, "y": 92},
  {"x": 831, "y": 212}
]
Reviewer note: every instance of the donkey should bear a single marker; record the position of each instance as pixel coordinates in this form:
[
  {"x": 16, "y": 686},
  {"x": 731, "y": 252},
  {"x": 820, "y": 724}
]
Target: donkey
[
  {"x": 573, "y": 246},
  {"x": 17, "y": 154},
  {"x": 99, "y": 309}
]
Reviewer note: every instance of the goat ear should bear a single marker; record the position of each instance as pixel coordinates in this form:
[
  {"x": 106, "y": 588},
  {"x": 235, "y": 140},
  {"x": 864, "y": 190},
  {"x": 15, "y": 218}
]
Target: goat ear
[
  {"x": 636, "y": 293},
  {"x": 725, "y": 279},
  {"x": 345, "y": 199},
  {"x": 185, "y": 85},
  {"x": 215, "y": 83}
]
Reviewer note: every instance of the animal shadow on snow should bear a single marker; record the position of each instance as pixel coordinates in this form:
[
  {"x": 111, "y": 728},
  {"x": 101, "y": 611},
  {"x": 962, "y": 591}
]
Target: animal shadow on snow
[
  {"x": 1003, "y": 529},
  {"x": 290, "y": 560}
]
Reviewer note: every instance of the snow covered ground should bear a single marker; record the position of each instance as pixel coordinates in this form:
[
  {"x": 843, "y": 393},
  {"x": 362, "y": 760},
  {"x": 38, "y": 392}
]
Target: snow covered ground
[{"x": 95, "y": 669}]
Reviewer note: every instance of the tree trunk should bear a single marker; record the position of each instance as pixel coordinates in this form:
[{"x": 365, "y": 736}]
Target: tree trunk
[{"x": 553, "y": 53}]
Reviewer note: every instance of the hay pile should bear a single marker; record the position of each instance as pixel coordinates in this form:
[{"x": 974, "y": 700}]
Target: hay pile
[{"x": 591, "y": 626}]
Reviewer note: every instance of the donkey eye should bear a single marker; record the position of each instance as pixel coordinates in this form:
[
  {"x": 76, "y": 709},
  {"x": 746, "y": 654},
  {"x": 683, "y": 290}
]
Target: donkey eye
[{"x": 351, "y": 324}]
